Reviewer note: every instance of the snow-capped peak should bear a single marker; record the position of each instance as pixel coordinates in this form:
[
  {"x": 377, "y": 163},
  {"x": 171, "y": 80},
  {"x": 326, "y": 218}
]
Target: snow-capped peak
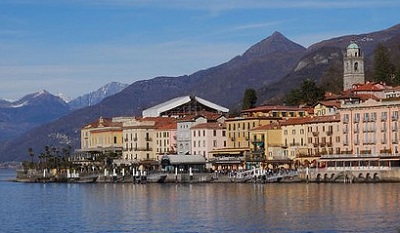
[{"x": 66, "y": 99}]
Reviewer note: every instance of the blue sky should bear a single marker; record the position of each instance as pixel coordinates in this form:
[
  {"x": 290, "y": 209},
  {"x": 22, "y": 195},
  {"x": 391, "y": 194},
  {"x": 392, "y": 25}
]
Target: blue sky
[{"x": 77, "y": 46}]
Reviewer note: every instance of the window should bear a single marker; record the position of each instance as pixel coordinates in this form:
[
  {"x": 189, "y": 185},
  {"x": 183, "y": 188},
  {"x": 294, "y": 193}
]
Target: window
[{"x": 215, "y": 133}]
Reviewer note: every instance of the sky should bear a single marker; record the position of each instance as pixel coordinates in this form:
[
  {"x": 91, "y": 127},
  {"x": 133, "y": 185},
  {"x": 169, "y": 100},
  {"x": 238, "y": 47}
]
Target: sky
[{"x": 76, "y": 46}]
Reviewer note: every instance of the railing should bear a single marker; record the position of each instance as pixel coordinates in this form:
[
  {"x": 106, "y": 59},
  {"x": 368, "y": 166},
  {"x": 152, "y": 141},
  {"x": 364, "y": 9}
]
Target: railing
[{"x": 269, "y": 176}]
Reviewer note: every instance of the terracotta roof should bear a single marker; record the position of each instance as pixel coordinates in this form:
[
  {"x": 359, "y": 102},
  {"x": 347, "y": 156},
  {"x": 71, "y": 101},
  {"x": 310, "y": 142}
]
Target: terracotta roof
[
  {"x": 210, "y": 116},
  {"x": 210, "y": 125},
  {"x": 330, "y": 103},
  {"x": 370, "y": 86},
  {"x": 267, "y": 108},
  {"x": 310, "y": 119},
  {"x": 295, "y": 121},
  {"x": 170, "y": 126},
  {"x": 268, "y": 127},
  {"x": 365, "y": 97},
  {"x": 103, "y": 122}
]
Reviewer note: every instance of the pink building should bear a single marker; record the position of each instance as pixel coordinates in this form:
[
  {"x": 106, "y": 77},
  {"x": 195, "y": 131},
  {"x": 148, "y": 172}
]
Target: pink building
[
  {"x": 371, "y": 127},
  {"x": 207, "y": 137}
]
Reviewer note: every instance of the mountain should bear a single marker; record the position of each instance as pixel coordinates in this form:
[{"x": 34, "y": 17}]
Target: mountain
[
  {"x": 323, "y": 62},
  {"x": 29, "y": 112},
  {"x": 97, "y": 96},
  {"x": 272, "y": 67}
]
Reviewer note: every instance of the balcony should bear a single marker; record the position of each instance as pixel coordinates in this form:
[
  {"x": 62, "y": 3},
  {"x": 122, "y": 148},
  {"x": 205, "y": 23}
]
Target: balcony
[
  {"x": 143, "y": 149},
  {"x": 149, "y": 139},
  {"x": 315, "y": 134},
  {"x": 329, "y": 133}
]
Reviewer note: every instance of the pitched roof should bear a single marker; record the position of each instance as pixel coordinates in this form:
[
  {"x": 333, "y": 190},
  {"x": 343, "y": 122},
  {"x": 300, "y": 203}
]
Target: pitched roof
[
  {"x": 309, "y": 120},
  {"x": 102, "y": 122},
  {"x": 157, "y": 110},
  {"x": 268, "y": 108},
  {"x": 330, "y": 103},
  {"x": 209, "y": 125}
]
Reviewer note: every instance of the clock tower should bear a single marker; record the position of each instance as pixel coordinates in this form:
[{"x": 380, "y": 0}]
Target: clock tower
[{"x": 353, "y": 62}]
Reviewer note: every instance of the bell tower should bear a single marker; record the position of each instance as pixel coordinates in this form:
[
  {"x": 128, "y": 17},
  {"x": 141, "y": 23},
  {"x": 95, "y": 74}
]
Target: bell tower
[{"x": 353, "y": 62}]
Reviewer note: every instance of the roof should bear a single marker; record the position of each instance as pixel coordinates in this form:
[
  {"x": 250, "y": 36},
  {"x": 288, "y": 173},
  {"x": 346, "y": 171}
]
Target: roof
[
  {"x": 157, "y": 110},
  {"x": 310, "y": 119},
  {"x": 271, "y": 126},
  {"x": 330, "y": 103},
  {"x": 370, "y": 86},
  {"x": 209, "y": 125},
  {"x": 185, "y": 159},
  {"x": 353, "y": 45},
  {"x": 103, "y": 122},
  {"x": 267, "y": 108}
]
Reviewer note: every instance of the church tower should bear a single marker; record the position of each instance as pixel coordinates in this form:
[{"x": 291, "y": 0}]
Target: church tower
[{"x": 353, "y": 62}]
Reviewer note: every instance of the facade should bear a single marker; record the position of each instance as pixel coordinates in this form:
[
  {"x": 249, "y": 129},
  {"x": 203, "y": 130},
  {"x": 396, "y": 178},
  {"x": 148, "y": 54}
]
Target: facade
[
  {"x": 185, "y": 124},
  {"x": 306, "y": 139},
  {"x": 105, "y": 134},
  {"x": 266, "y": 146},
  {"x": 207, "y": 137},
  {"x": 371, "y": 127},
  {"x": 141, "y": 136},
  {"x": 324, "y": 108},
  {"x": 353, "y": 66},
  {"x": 166, "y": 139}
]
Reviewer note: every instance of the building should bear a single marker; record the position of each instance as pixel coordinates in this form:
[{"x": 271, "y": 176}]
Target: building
[
  {"x": 166, "y": 139},
  {"x": 207, "y": 137},
  {"x": 353, "y": 66},
  {"x": 185, "y": 105},
  {"x": 144, "y": 138},
  {"x": 371, "y": 127},
  {"x": 103, "y": 135},
  {"x": 185, "y": 124}
]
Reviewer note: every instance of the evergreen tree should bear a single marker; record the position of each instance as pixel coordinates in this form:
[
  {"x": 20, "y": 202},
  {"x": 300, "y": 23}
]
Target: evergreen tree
[
  {"x": 249, "y": 99},
  {"x": 308, "y": 94},
  {"x": 383, "y": 68}
]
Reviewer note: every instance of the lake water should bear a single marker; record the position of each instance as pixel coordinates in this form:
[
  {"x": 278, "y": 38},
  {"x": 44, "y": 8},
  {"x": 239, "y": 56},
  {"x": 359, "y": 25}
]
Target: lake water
[{"x": 55, "y": 207}]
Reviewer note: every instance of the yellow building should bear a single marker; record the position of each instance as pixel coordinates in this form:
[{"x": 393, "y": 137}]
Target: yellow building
[
  {"x": 306, "y": 139},
  {"x": 102, "y": 135},
  {"x": 266, "y": 146}
]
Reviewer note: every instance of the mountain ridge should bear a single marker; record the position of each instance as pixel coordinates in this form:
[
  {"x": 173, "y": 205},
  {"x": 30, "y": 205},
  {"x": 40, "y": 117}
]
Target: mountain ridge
[{"x": 271, "y": 71}]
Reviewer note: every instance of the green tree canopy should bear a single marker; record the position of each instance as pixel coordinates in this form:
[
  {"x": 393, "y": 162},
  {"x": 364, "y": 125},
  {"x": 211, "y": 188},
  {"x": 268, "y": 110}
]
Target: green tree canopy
[
  {"x": 308, "y": 94},
  {"x": 383, "y": 68},
  {"x": 249, "y": 99}
]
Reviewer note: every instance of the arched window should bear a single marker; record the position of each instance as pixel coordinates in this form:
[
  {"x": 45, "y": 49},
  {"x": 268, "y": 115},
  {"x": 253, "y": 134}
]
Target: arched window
[{"x": 356, "y": 66}]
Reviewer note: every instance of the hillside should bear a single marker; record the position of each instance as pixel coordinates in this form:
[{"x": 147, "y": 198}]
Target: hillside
[
  {"x": 323, "y": 61},
  {"x": 273, "y": 67}
]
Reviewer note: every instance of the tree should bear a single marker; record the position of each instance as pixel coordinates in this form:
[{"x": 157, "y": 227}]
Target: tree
[
  {"x": 308, "y": 94},
  {"x": 249, "y": 99},
  {"x": 383, "y": 68}
]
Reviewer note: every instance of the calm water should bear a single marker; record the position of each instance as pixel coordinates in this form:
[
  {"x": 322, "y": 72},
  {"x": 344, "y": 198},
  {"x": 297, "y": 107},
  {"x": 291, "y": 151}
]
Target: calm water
[{"x": 198, "y": 207}]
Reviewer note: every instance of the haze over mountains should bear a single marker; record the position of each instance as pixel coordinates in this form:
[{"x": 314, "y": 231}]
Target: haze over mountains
[
  {"x": 32, "y": 110},
  {"x": 273, "y": 67}
]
